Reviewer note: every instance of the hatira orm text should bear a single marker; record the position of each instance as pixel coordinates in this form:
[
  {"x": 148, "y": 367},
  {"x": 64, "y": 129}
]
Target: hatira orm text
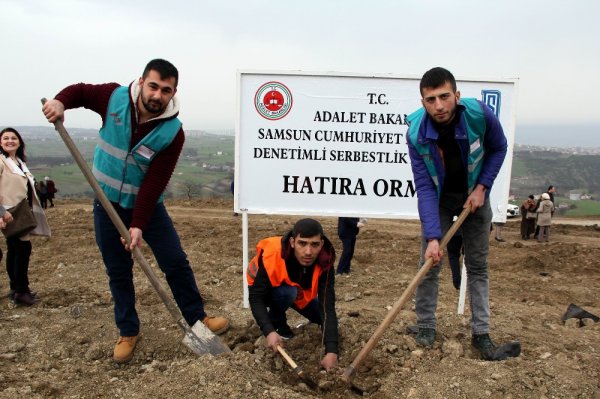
[{"x": 346, "y": 186}]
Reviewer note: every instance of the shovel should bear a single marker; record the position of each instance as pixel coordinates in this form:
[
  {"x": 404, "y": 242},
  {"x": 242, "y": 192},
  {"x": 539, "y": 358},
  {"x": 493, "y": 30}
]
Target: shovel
[
  {"x": 297, "y": 369},
  {"x": 351, "y": 370},
  {"x": 199, "y": 339}
]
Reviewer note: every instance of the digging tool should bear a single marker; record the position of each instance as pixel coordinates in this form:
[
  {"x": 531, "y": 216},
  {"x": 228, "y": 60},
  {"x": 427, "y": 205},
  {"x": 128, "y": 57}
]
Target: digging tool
[
  {"x": 351, "y": 370},
  {"x": 198, "y": 338},
  {"x": 297, "y": 369}
]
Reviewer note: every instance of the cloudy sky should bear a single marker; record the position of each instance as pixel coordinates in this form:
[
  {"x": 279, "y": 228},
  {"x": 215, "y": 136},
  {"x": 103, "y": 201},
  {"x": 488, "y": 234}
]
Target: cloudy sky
[{"x": 551, "y": 46}]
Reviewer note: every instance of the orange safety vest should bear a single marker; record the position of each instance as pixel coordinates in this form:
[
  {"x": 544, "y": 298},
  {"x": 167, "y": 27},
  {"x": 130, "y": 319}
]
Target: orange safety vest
[{"x": 270, "y": 249}]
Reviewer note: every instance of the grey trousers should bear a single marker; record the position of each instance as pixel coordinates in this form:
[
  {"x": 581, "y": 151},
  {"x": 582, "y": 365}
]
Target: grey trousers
[{"x": 475, "y": 231}]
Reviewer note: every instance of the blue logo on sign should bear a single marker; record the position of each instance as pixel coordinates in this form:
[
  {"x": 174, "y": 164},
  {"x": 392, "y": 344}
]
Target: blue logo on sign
[{"x": 492, "y": 98}]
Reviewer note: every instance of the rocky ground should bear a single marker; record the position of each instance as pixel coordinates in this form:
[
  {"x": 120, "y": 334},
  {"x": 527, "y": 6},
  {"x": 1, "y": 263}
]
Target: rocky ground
[{"x": 62, "y": 346}]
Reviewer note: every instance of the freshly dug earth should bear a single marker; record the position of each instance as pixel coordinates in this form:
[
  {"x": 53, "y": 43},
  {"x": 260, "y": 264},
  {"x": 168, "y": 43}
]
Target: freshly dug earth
[{"x": 62, "y": 346}]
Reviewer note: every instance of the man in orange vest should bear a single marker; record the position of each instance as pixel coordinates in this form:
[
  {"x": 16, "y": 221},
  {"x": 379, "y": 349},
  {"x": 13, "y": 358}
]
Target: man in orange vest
[{"x": 295, "y": 271}]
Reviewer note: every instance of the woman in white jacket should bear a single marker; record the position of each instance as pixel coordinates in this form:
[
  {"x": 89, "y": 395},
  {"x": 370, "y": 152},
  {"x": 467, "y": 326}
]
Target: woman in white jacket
[
  {"x": 16, "y": 184},
  {"x": 544, "y": 220}
]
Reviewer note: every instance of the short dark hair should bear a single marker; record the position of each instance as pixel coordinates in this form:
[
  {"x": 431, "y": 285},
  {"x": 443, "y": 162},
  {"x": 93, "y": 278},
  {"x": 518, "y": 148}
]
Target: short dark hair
[
  {"x": 531, "y": 196},
  {"x": 307, "y": 228},
  {"x": 21, "y": 150},
  {"x": 436, "y": 77},
  {"x": 550, "y": 188},
  {"x": 164, "y": 68}
]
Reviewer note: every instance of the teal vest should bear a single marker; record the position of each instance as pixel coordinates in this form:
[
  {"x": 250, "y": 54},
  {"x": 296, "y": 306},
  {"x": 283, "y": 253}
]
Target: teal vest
[
  {"x": 119, "y": 170},
  {"x": 474, "y": 124}
]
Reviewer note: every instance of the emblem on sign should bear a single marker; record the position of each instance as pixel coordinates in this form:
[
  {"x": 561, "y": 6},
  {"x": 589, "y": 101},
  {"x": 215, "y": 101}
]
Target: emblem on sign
[
  {"x": 273, "y": 100},
  {"x": 492, "y": 98}
]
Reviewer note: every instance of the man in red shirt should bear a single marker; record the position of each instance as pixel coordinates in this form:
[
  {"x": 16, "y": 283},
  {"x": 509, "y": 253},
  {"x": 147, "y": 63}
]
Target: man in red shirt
[{"x": 140, "y": 142}]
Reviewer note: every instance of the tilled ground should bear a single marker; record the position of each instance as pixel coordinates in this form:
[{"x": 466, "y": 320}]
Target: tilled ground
[{"x": 62, "y": 346}]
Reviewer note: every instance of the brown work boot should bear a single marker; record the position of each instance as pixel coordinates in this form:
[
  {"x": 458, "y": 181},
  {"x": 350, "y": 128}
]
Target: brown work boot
[
  {"x": 216, "y": 324},
  {"x": 124, "y": 349}
]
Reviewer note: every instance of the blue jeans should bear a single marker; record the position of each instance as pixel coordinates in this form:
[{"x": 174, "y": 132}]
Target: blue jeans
[
  {"x": 283, "y": 298},
  {"x": 475, "y": 232},
  {"x": 348, "y": 245},
  {"x": 162, "y": 238}
]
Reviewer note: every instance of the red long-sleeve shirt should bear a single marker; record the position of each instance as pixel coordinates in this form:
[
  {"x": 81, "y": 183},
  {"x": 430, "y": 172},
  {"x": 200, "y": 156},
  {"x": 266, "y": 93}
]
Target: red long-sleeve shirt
[{"x": 96, "y": 98}]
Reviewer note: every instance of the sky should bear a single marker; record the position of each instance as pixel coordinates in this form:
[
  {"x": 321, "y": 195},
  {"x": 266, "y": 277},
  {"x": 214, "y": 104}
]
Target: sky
[{"x": 551, "y": 46}]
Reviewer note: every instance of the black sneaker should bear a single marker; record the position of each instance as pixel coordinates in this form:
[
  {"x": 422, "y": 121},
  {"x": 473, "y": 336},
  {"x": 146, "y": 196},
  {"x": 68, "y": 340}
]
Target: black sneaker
[
  {"x": 412, "y": 329},
  {"x": 425, "y": 337},
  {"x": 484, "y": 344},
  {"x": 285, "y": 332}
]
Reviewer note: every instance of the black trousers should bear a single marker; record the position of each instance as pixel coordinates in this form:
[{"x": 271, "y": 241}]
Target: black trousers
[{"x": 17, "y": 264}]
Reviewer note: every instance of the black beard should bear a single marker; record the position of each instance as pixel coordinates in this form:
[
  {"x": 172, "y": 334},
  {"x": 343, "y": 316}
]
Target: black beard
[{"x": 153, "y": 107}]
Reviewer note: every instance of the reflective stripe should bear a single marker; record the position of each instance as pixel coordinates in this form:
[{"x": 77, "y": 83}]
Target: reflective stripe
[
  {"x": 435, "y": 180},
  {"x": 132, "y": 161},
  {"x": 120, "y": 154},
  {"x": 114, "y": 183},
  {"x": 478, "y": 159},
  {"x": 111, "y": 149},
  {"x": 252, "y": 270}
]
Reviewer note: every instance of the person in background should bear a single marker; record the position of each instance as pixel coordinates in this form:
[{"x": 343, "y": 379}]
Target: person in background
[
  {"x": 544, "y": 219},
  {"x": 348, "y": 229},
  {"x": 456, "y": 147},
  {"x": 528, "y": 217},
  {"x": 17, "y": 183},
  {"x": 51, "y": 190},
  {"x": 550, "y": 191},
  {"x": 295, "y": 271},
  {"x": 140, "y": 142},
  {"x": 498, "y": 226},
  {"x": 43, "y": 195}
]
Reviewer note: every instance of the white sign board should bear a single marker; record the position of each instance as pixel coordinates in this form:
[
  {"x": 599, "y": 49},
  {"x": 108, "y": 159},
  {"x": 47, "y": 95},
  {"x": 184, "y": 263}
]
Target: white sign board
[{"x": 335, "y": 145}]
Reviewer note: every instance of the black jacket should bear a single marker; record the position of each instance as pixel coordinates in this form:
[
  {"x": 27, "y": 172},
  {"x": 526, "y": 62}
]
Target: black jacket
[{"x": 260, "y": 291}]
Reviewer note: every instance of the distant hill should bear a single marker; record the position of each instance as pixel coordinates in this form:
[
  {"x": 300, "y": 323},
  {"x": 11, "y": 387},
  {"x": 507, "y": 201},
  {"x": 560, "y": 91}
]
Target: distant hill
[
  {"x": 534, "y": 170},
  {"x": 207, "y": 163},
  {"x": 205, "y": 168}
]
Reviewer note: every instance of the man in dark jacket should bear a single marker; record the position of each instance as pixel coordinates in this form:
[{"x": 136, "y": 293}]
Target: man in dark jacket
[
  {"x": 295, "y": 271},
  {"x": 456, "y": 147}
]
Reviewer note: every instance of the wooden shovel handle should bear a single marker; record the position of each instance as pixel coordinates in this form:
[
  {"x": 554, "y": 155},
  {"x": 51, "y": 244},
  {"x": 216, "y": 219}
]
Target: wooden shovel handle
[
  {"x": 287, "y": 357},
  {"x": 351, "y": 370}
]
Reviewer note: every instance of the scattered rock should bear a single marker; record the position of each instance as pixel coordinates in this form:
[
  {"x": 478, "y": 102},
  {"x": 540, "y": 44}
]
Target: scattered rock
[
  {"x": 349, "y": 297},
  {"x": 326, "y": 385},
  {"x": 417, "y": 353},
  {"x": 94, "y": 352},
  {"x": 452, "y": 349},
  {"x": 572, "y": 323},
  {"x": 587, "y": 322}
]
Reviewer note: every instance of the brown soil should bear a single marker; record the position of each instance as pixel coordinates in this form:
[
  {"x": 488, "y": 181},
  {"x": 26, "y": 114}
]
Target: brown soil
[{"x": 62, "y": 346}]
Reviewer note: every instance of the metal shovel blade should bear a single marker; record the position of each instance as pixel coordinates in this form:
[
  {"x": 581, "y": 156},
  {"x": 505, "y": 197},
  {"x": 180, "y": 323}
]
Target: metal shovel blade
[{"x": 199, "y": 338}]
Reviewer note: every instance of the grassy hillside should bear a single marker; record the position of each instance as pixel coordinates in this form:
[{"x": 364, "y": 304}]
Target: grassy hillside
[
  {"x": 534, "y": 171},
  {"x": 206, "y": 168}
]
